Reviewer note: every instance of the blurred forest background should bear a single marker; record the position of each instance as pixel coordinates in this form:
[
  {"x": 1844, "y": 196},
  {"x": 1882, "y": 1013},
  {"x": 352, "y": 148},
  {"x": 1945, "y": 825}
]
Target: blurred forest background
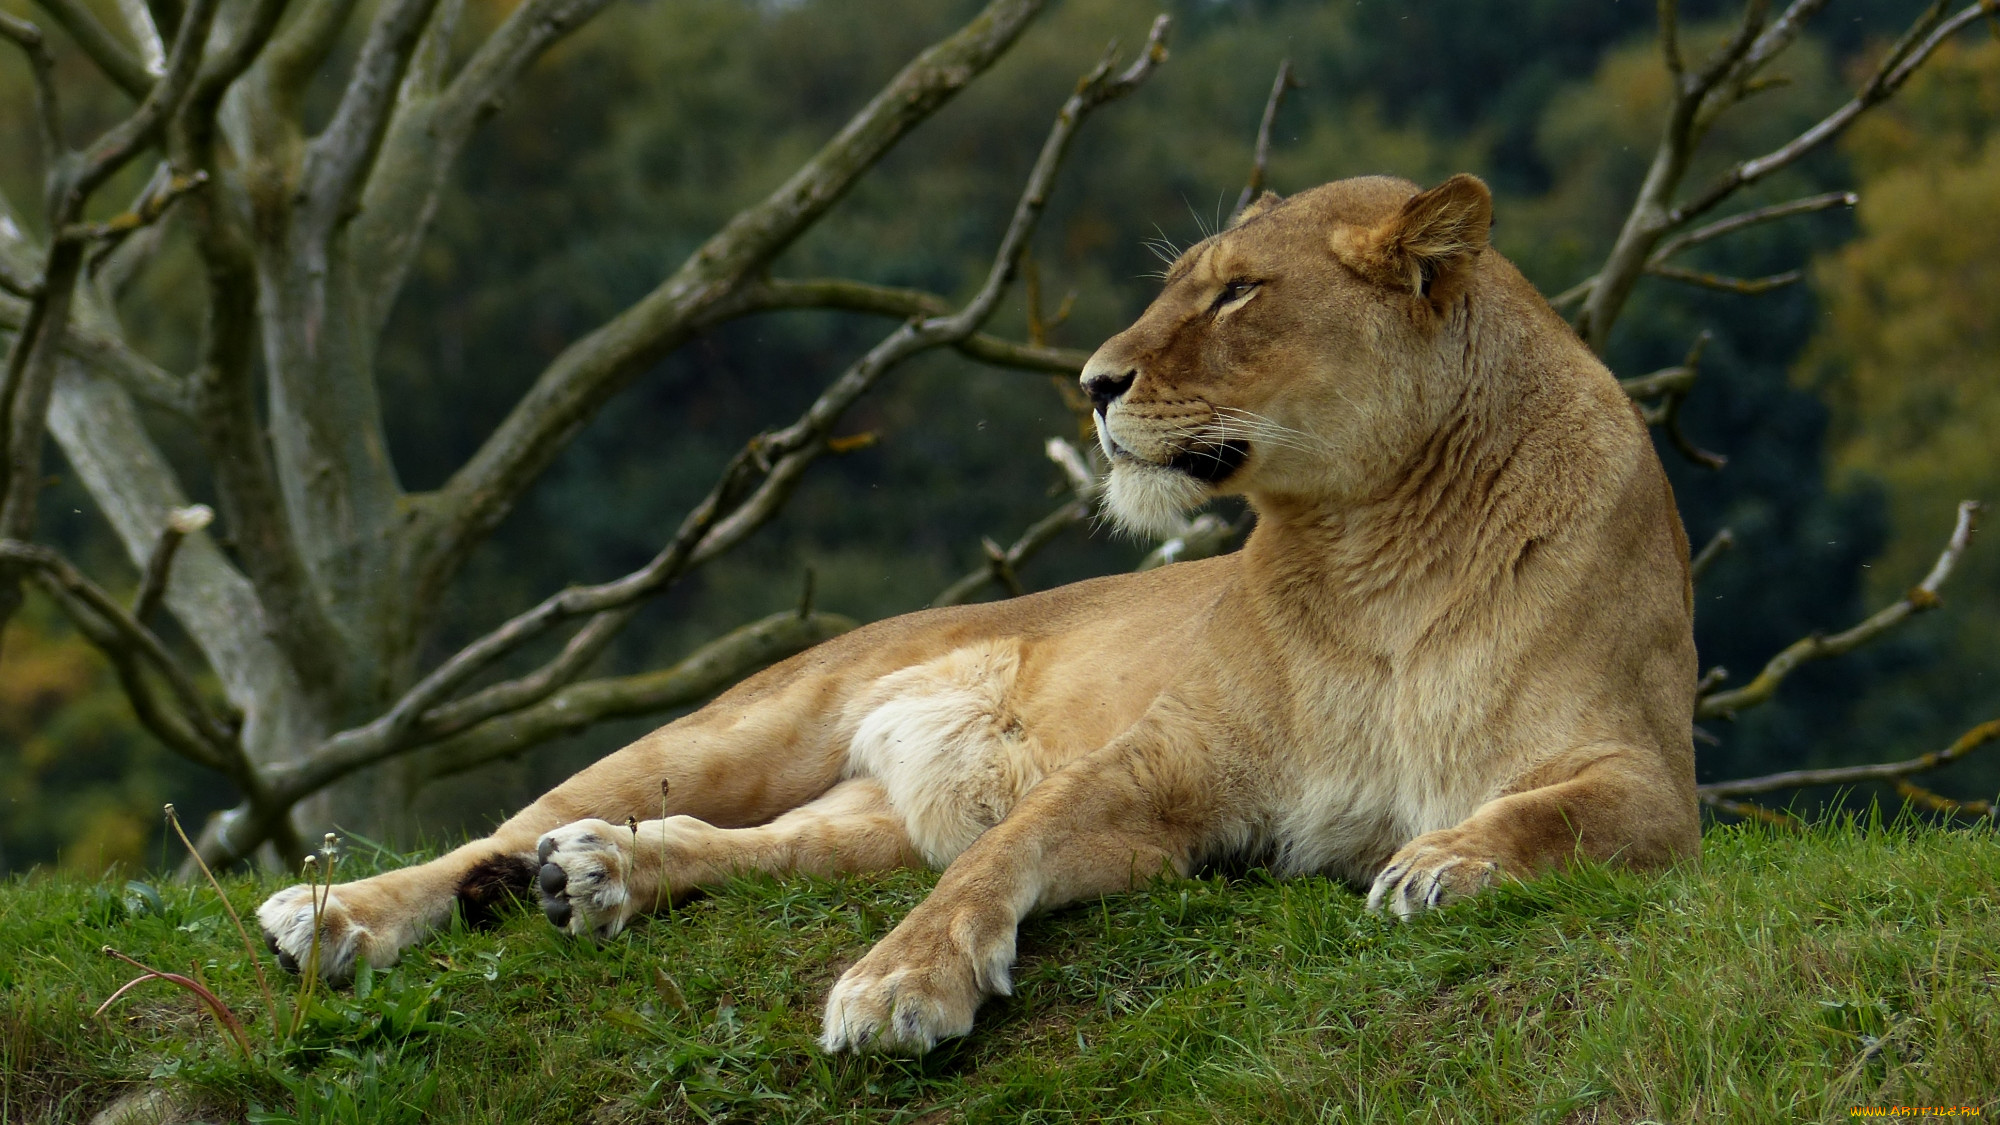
[{"x": 1855, "y": 408}]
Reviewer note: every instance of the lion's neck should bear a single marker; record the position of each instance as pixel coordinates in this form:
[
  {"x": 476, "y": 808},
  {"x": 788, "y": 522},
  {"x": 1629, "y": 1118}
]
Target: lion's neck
[{"x": 1458, "y": 515}]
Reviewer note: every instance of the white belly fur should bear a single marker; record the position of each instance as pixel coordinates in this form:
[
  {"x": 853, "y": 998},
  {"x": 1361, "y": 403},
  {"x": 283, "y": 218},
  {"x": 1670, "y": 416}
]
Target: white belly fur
[{"x": 944, "y": 743}]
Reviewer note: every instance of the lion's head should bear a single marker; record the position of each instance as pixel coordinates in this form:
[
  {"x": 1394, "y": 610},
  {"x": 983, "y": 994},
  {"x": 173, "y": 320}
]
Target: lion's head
[{"x": 1301, "y": 354}]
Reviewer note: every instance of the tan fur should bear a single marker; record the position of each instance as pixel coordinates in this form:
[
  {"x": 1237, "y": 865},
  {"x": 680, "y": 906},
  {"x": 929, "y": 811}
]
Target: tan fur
[{"x": 1457, "y": 646}]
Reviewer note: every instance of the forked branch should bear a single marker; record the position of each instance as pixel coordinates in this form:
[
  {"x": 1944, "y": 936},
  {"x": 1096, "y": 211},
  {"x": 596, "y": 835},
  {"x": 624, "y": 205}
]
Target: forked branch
[
  {"x": 1902, "y": 60},
  {"x": 185, "y": 723},
  {"x": 588, "y": 372},
  {"x": 1699, "y": 97},
  {"x": 1673, "y": 385}
]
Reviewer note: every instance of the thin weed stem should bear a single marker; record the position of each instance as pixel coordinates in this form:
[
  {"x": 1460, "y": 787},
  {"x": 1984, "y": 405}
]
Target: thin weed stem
[
  {"x": 249, "y": 948},
  {"x": 660, "y": 886},
  {"x": 223, "y": 1015},
  {"x": 309, "y": 978}
]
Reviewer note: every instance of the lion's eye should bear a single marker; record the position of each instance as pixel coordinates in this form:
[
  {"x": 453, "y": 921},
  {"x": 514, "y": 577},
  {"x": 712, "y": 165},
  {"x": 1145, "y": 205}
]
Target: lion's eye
[{"x": 1232, "y": 292}]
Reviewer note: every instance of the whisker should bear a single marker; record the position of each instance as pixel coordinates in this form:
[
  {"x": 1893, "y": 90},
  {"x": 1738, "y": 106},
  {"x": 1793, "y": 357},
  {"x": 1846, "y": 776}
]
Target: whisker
[
  {"x": 1271, "y": 429},
  {"x": 1198, "y": 224},
  {"x": 1221, "y": 431}
]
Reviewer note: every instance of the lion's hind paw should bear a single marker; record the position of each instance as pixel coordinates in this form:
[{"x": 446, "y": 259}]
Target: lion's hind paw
[{"x": 584, "y": 877}]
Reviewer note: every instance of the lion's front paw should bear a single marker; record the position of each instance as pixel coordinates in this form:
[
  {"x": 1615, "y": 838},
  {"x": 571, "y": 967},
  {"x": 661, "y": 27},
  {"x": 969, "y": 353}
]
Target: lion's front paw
[
  {"x": 921, "y": 984},
  {"x": 585, "y": 877},
  {"x": 1425, "y": 875},
  {"x": 287, "y": 920}
]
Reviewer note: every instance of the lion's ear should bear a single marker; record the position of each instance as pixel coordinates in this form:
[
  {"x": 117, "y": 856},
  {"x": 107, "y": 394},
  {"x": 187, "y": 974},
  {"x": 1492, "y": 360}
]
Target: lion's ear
[
  {"x": 1437, "y": 234},
  {"x": 1257, "y": 207}
]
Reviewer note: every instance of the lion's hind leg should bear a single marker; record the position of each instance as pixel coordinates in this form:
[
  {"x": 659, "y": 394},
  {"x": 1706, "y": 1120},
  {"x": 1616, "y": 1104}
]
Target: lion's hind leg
[
  {"x": 375, "y": 919},
  {"x": 597, "y": 876}
]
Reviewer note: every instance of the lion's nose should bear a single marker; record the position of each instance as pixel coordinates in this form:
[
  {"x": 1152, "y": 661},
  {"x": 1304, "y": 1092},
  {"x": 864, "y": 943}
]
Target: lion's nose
[{"x": 1103, "y": 389}]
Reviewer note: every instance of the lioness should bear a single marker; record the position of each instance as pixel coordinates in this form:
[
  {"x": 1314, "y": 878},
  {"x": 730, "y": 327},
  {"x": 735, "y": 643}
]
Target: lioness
[{"x": 1457, "y": 646}]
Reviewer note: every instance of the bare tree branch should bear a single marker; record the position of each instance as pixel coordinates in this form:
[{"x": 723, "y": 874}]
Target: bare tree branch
[
  {"x": 740, "y": 501},
  {"x": 225, "y": 66},
  {"x": 298, "y": 53},
  {"x": 430, "y": 129},
  {"x": 1002, "y": 566},
  {"x": 127, "y": 633},
  {"x": 181, "y": 523},
  {"x": 43, "y": 67},
  {"x": 338, "y": 158},
  {"x": 225, "y": 411},
  {"x": 771, "y": 295},
  {"x": 1922, "y": 596},
  {"x": 588, "y": 372},
  {"x": 1670, "y": 40},
  {"x": 707, "y": 670},
  {"x": 1748, "y": 286},
  {"x": 1901, "y": 61},
  {"x": 1751, "y": 218},
  {"x": 110, "y": 152},
  {"x": 148, "y": 209},
  {"x": 152, "y": 23},
  {"x": 19, "y": 284},
  {"x": 1655, "y": 263},
  {"x": 1938, "y": 802},
  {"x": 135, "y": 487},
  {"x": 161, "y": 717},
  {"x": 113, "y": 357},
  {"x": 1699, "y": 98},
  {"x": 1706, "y": 557},
  {"x": 1205, "y": 536},
  {"x": 1740, "y": 80},
  {"x": 1645, "y": 224},
  {"x": 1750, "y": 810},
  {"x": 799, "y": 444},
  {"x": 1847, "y": 775},
  {"x": 112, "y": 57},
  {"x": 1674, "y": 384},
  {"x": 1678, "y": 379},
  {"x": 1262, "y": 154}
]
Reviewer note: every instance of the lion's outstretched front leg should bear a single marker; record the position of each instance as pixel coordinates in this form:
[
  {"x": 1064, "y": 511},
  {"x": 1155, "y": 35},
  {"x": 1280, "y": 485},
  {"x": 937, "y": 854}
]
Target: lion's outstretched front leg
[
  {"x": 1092, "y": 828},
  {"x": 375, "y": 919},
  {"x": 1619, "y": 806},
  {"x": 596, "y": 876}
]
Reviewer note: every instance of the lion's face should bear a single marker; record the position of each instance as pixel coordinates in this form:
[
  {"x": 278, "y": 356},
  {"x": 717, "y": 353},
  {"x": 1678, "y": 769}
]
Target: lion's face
[{"x": 1299, "y": 355}]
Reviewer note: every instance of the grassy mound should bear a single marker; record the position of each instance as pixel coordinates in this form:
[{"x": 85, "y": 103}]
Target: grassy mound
[{"x": 1791, "y": 976}]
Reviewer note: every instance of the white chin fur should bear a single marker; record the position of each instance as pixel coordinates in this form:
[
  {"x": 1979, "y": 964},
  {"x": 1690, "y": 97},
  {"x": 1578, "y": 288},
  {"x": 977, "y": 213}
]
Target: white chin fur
[{"x": 1151, "y": 501}]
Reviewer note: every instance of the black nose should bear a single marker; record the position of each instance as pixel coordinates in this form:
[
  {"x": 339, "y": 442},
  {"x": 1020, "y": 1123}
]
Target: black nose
[{"x": 1102, "y": 389}]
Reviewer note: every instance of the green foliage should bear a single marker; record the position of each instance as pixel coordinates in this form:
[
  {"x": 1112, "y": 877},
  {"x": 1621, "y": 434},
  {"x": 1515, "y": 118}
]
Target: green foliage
[
  {"x": 80, "y": 784},
  {"x": 1784, "y": 978},
  {"x": 1908, "y": 359}
]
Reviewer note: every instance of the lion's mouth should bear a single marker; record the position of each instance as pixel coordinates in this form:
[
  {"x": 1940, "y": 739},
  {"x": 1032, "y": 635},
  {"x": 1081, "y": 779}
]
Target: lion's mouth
[{"x": 1211, "y": 462}]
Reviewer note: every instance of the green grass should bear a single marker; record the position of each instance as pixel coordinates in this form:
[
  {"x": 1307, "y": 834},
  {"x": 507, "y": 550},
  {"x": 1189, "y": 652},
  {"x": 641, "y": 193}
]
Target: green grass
[{"x": 1788, "y": 977}]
